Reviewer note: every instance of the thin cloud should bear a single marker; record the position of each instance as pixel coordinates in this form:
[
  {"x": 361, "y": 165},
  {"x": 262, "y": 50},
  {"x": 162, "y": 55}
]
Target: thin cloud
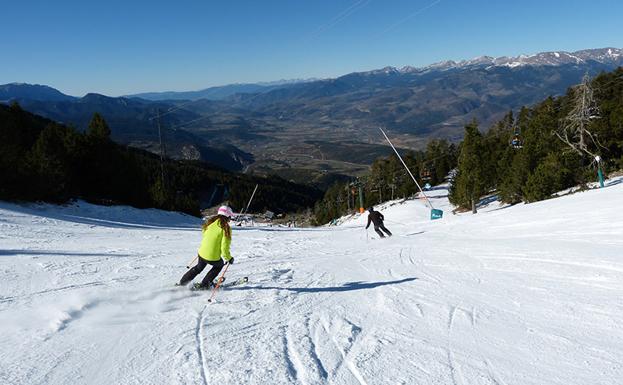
[{"x": 419, "y": 11}]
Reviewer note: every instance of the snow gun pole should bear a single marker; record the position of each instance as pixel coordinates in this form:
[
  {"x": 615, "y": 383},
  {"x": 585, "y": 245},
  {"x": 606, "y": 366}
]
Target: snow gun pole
[
  {"x": 435, "y": 214},
  {"x": 191, "y": 262},
  {"x": 407, "y": 168},
  {"x": 248, "y": 205},
  {"x": 250, "y": 200},
  {"x": 218, "y": 282}
]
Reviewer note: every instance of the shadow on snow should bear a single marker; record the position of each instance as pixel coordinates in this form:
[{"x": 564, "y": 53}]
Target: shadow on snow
[
  {"x": 58, "y": 252},
  {"x": 119, "y": 217},
  {"x": 349, "y": 286},
  {"x": 285, "y": 229}
]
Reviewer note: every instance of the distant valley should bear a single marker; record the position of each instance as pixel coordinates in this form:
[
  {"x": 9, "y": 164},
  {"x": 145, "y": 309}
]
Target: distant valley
[{"x": 308, "y": 130}]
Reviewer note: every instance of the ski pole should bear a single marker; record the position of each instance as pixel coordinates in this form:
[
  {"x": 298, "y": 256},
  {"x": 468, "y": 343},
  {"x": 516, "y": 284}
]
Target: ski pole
[
  {"x": 218, "y": 282},
  {"x": 191, "y": 262}
]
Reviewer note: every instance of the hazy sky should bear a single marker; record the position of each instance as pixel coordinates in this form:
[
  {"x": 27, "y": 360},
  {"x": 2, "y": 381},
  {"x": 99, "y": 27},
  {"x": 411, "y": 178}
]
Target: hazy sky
[{"x": 119, "y": 47}]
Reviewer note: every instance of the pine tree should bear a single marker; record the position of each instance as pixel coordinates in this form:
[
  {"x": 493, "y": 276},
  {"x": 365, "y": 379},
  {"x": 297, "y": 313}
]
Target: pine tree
[
  {"x": 514, "y": 165},
  {"x": 515, "y": 176},
  {"x": 159, "y": 194},
  {"x": 549, "y": 177},
  {"x": 440, "y": 159},
  {"x": 51, "y": 160},
  {"x": 98, "y": 128},
  {"x": 468, "y": 185}
]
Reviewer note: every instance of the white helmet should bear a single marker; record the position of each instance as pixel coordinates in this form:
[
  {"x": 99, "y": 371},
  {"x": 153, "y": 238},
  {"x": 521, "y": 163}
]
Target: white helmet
[{"x": 225, "y": 211}]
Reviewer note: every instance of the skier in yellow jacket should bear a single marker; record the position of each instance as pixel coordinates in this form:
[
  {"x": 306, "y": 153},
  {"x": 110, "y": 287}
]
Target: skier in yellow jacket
[{"x": 214, "y": 248}]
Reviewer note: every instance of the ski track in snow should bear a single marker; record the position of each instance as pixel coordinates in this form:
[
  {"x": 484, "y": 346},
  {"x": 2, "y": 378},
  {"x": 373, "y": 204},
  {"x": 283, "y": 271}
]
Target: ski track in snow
[
  {"x": 200, "y": 348},
  {"x": 505, "y": 297},
  {"x": 343, "y": 352},
  {"x": 455, "y": 369}
]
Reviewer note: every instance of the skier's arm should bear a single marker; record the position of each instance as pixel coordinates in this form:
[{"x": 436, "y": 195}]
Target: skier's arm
[
  {"x": 225, "y": 244},
  {"x": 369, "y": 220}
]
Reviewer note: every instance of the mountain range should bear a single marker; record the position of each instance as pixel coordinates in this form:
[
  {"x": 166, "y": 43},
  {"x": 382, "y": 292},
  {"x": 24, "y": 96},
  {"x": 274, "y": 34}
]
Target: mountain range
[
  {"x": 23, "y": 91},
  {"x": 219, "y": 92},
  {"x": 315, "y": 127}
]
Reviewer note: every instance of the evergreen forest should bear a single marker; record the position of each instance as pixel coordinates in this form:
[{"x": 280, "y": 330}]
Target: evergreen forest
[{"x": 41, "y": 160}]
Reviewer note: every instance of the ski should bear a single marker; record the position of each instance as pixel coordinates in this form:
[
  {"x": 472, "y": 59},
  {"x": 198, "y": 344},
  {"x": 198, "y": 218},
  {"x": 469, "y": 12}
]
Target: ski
[
  {"x": 198, "y": 287},
  {"x": 237, "y": 282}
]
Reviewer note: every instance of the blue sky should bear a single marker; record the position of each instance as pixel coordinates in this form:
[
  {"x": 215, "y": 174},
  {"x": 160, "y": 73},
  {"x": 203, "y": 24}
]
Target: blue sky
[{"x": 119, "y": 47}]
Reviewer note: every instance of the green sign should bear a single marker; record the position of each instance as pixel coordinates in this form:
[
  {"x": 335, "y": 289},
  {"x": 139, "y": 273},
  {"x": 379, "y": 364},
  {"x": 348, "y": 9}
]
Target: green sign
[{"x": 436, "y": 214}]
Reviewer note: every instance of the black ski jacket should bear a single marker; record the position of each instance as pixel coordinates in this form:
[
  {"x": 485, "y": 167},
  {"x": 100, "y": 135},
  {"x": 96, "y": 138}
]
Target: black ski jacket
[{"x": 375, "y": 217}]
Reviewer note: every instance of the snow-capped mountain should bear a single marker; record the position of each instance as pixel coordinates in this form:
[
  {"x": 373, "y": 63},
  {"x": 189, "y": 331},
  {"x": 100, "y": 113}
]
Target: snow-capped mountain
[{"x": 554, "y": 58}]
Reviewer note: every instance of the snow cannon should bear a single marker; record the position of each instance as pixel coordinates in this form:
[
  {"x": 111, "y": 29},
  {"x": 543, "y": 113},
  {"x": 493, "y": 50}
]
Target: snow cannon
[{"x": 436, "y": 214}]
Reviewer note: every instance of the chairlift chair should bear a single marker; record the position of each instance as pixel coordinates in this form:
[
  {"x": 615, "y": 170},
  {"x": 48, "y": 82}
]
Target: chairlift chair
[
  {"x": 516, "y": 142},
  {"x": 425, "y": 174}
]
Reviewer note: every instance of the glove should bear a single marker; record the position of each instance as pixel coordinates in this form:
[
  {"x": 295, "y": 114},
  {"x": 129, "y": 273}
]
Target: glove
[{"x": 231, "y": 261}]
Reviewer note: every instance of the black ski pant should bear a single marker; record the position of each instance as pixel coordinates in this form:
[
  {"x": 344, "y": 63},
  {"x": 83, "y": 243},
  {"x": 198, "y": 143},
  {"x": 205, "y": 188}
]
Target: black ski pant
[
  {"x": 217, "y": 266},
  {"x": 382, "y": 227}
]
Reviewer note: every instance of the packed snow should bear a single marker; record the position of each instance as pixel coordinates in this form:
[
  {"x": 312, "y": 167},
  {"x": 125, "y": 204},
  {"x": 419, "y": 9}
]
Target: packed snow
[{"x": 524, "y": 294}]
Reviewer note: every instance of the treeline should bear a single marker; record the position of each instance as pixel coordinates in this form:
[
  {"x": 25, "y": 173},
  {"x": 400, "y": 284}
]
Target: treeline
[
  {"x": 41, "y": 160},
  {"x": 388, "y": 179},
  {"x": 525, "y": 157},
  {"x": 555, "y": 144}
]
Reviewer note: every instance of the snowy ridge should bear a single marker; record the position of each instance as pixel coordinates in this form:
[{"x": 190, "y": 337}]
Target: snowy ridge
[
  {"x": 526, "y": 294},
  {"x": 601, "y": 55}
]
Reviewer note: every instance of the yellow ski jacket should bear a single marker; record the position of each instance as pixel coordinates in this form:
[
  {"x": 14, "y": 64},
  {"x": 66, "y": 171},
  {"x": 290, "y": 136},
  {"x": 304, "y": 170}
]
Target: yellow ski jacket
[{"x": 214, "y": 243}]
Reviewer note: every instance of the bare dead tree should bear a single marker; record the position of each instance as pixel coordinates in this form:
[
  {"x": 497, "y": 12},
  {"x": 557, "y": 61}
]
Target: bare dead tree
[{"x": 574, "y": 128}]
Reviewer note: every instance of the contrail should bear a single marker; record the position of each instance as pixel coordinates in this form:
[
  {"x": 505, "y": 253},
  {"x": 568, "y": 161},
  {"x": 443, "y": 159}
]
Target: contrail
[
  {"x": 411, "y": 16},
  {"x": 354, "y": 7}
]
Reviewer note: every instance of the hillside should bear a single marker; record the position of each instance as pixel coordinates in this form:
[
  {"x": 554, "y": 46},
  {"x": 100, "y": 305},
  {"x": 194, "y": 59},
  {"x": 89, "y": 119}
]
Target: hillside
[
  {"x": 41, "y": 160},
  {"x": 133, "y": 123},
  {"x": 516, "y": 295},
  {"x": 13, "y": 91}
]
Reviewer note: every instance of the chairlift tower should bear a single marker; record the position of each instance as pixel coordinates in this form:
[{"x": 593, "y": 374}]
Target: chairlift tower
[
  {"x": 357, "y": 184},
  {"x": 162, "y": 149},
  {"x": 348, "y": 197}
]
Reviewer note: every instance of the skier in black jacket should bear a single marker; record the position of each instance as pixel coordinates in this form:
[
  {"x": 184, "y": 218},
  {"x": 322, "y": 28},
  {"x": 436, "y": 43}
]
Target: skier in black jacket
[{"x": 377, "y": 218}]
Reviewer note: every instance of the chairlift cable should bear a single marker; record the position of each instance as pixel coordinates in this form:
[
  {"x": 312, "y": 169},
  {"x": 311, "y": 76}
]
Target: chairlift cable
[{"x": 171, "y": 110}]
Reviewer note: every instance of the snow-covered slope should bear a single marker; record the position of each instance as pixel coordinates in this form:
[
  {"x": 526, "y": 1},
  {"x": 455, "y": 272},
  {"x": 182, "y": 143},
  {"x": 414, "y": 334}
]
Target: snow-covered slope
[{"x": 528, "y": 294}]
